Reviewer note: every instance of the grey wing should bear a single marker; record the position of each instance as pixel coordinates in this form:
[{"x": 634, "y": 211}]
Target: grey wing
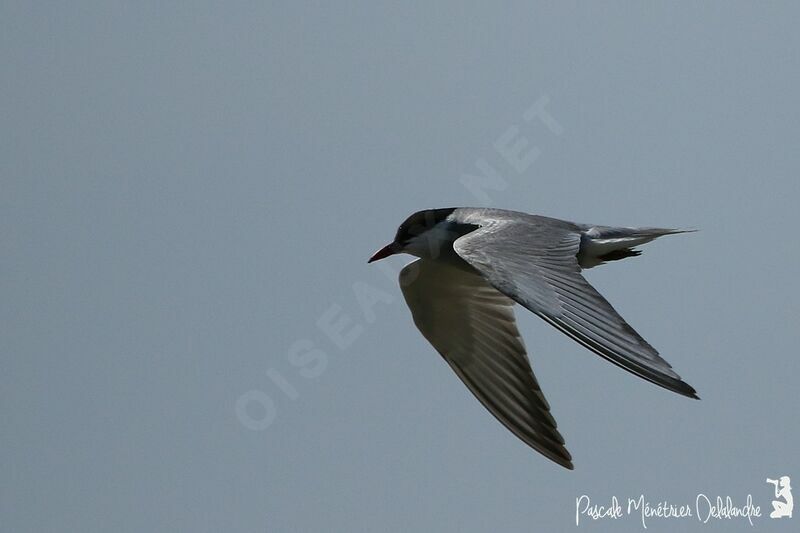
[
  {"x": 472, "y": 326},
  {"x": 535, "y": 263}
]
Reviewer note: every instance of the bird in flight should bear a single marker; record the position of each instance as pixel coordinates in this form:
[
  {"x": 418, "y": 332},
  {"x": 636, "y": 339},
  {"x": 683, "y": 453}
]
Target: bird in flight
[{"x": 474, "y": 263}]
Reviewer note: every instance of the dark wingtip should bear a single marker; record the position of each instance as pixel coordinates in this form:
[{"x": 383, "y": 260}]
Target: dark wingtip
[
  {"x": 616, "y": 255},
  {"x": 562, "y": 458},
  {"x": 687, "y": 390}
]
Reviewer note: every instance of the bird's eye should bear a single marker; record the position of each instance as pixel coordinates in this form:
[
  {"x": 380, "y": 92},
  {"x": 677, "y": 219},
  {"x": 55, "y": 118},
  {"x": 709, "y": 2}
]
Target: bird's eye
[{"x": 401, "y": 237}]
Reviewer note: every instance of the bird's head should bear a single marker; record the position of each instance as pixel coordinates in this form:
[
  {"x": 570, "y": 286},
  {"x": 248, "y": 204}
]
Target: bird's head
[{"x": 421, "y": 234}]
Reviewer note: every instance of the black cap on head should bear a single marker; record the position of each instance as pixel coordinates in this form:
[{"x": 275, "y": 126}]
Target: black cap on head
[{"x": 420, "y": 222}]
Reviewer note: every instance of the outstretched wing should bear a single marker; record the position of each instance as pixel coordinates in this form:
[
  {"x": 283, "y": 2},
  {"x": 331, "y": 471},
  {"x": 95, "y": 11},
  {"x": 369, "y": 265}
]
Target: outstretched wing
[
  {"x": 534, "y": 261},
  {"x": 472, "y": 326}
]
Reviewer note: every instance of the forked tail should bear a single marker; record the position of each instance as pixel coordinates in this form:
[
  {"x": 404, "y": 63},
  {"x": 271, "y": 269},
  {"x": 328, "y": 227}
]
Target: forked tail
[{"x": 605, "y": 243}]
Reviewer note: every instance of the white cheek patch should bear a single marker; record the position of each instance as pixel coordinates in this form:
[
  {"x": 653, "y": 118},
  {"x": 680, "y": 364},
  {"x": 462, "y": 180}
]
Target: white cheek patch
[{"x": 431, "y": 243}]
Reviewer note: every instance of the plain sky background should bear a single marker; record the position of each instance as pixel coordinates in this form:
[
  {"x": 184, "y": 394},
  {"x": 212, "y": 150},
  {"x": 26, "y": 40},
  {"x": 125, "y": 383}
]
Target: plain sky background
[{"x": 187, "y": 188}]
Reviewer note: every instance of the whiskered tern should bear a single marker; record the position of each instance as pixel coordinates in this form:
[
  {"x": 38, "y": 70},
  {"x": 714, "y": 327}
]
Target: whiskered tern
[{"x": 474, "y": 263}]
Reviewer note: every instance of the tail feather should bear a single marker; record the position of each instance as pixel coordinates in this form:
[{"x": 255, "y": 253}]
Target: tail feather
[{"x": 606, "y": 243}]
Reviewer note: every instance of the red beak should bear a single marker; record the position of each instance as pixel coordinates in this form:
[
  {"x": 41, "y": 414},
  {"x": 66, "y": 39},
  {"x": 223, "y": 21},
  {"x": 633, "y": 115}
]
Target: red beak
[{"x": 386, "y": 251}]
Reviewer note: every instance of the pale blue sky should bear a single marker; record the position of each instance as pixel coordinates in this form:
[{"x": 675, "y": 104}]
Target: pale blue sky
[{"x": 188, "y": 190}]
